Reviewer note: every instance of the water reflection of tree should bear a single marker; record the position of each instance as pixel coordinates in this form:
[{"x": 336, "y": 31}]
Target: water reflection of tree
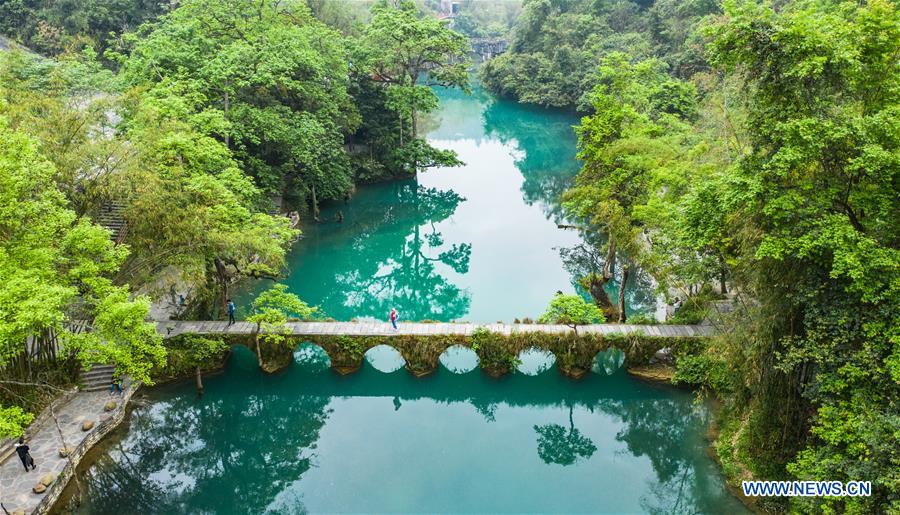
[
  {"x": 665, "y": 431},
  {"x": 395, "y": 258},
  {"x": 212, "y": 455},
  {"x": 545, "y": 145},
  {"x": 257, "y": 439},
  {"x": 558, "y": 445}
]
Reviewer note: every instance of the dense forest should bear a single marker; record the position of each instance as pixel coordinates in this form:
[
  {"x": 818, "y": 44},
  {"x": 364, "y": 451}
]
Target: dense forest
[
  {"x": 732, "y": 150},
  {"x": 147, "y": 145},
  {"x": 753, "y": 148}
]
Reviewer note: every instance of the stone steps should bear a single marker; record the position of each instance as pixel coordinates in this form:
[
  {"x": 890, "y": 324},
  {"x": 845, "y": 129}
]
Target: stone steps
[{"x": 98, "y": 378}]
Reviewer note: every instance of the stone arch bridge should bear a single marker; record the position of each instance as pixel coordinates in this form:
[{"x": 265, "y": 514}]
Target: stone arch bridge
[{"x": 421, "y": 344}]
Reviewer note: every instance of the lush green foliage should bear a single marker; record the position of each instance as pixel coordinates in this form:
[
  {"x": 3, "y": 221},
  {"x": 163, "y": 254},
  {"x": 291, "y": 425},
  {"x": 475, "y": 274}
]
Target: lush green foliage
[
  {"x": 274, "y": 74},
  {"x": 571, "y": 310},
  {"x": 57, "y": 270},
  {"x": 13, "y": 421},
  {"x": 272, "y": 308},
  {"x": 185, "y": 353},
  {"x": 408, "y": 55},
  {"x": 52, "y": 26},
  {"x": 558, "y": 44},
  {"x": 775, "y": 178}
]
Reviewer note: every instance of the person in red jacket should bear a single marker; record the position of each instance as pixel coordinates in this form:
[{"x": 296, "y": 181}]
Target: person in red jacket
[{"x": 394, "y": 317}]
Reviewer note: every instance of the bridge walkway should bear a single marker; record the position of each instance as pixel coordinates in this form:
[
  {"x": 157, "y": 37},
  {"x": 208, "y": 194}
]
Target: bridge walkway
[{"x": 213, "y": 327}]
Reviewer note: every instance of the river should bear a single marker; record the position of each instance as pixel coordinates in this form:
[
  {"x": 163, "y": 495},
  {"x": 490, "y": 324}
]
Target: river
[
  {"x": 310, "y": 440},
  {"x": 477, "y": 243}
]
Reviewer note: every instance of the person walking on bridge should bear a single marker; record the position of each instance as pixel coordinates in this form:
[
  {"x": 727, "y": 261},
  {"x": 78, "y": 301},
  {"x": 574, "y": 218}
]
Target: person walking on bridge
[
  {"x": 230, "y": 307},
  {"x": 22, "y": 450},
  {"x": 394, "y": 317}
]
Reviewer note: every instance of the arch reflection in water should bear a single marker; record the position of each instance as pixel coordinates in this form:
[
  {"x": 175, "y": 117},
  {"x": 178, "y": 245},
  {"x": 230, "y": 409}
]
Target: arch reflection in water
[
  {"x": 459, "y": 359},
  {"x": 607, "y": 362},
  {"x": 384, "y": 358},
  {"x": 535, "y": 361},
  {"x": 311, "y": 358},
  {"x": 258, "y": 443}
]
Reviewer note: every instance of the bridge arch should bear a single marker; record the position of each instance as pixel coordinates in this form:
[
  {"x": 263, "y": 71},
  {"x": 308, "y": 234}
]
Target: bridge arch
[
  {"x": 608, "y": 361},
  {"x": 310, "y": 357},
  {"x": 385, "y": 358},
  {"x": 459, "y": 359},
  {"x": 535, "y": 361}
]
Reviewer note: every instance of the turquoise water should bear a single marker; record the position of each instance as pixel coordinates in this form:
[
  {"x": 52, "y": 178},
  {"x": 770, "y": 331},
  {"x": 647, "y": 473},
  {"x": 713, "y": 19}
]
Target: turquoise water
[
  {"x": 308, "y": 440},
  {"x": 478, "y": 243}
]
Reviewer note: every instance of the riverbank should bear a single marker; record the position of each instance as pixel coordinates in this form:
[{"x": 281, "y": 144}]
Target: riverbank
[{"x": 83, "y": 420}]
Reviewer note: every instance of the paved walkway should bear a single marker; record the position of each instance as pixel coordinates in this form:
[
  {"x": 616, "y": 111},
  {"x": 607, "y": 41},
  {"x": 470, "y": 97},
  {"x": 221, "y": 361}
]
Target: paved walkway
[
  {"x": 16, "y": 484},
  {"x": 173, "y": 328}
]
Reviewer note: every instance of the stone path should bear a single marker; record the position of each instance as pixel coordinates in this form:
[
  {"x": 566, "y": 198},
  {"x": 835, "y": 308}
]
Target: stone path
[
  {"x": 16, "y": 484},
  {"x": 173, "y": 328}
]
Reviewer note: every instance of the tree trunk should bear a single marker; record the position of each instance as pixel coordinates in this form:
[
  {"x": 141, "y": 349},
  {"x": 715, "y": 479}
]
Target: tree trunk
[
  {"x": 315, "y": 204},
  {"x": 199, "y": 376},
  {"x": 222, "y": 278},
  {"x": 622, "y": 294},
  {"x": 722, "y": 274},
  {"x": 609, "y": 265},
  {"x": 258, "y": 351}
]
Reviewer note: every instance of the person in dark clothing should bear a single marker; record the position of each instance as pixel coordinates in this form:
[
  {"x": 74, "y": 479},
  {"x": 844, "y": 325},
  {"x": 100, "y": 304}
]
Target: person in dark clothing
[
  {"x": 230, "y": 306},
  {"x": 22, "y": 450}
]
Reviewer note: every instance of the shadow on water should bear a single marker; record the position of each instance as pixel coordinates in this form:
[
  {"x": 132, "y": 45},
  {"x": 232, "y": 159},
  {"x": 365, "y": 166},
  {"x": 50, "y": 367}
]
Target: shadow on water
[{"x": 308, "y": 439}]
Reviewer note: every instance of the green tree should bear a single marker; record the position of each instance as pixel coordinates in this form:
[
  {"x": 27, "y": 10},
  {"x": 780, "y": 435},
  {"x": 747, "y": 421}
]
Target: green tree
[
  {"x": 200, "y": 350},
  {"x": 571, "y": 310},
  {"x": 57, "y": 269},
  {"x": 277, "y": 76},
  {"x": 191, "y": 212},
  {"x": 409, "y": 54},
  {"x": 814, "y": 206},
  {"x": 271, "y": 310}
]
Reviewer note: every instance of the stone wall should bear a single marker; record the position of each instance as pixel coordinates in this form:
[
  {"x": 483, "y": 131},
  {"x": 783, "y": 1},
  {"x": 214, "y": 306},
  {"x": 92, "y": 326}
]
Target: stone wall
[{"x": 103, "y": 428}]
